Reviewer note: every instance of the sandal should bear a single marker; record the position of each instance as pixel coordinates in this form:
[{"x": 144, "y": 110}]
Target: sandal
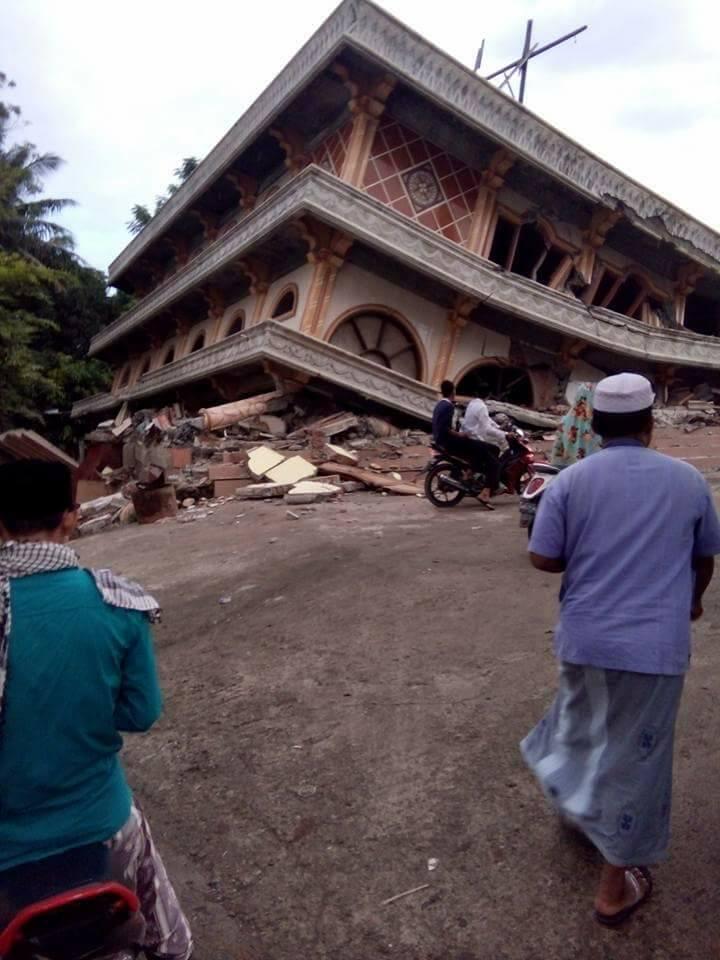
[{"x": 615, "y": 919}]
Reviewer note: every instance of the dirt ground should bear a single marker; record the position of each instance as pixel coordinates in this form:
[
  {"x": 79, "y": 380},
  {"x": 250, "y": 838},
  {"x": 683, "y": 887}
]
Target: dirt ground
[{"x": 353, "y": 710}]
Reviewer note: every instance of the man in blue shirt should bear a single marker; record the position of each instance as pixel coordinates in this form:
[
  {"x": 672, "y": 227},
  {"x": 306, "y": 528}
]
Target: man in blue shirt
[
  {"x": 77, "y": 668},
  {"x": 634, "y": 534}
]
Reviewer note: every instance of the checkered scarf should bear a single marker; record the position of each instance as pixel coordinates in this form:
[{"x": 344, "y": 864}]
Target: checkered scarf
[{"x": 25, "y": 559}]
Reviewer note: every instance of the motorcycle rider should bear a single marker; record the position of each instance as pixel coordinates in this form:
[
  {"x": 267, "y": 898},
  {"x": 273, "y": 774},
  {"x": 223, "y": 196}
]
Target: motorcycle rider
[
  {"x": 77, "y": 667},
  {"x": 461, "y": 444},
  {"x": 479, "y": 425}
]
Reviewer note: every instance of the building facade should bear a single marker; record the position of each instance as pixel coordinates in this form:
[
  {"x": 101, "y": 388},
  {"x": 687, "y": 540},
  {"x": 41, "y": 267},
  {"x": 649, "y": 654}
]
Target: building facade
[{"x": 381, "y": 219}]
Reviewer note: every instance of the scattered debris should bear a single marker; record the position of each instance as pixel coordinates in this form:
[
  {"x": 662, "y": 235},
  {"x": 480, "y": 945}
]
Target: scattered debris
[
  {"x": 305, "y": 790},
  {"x": 292, "y": 471},
  {"x": 156, "y": 503},
  {"x": 224, "y": 600},
  {"x": 262, "y": 491},
  {"x": 405, "y": 893},
  {"x": 433, "y": 863},
  {"x": 263, "y": 459},
  {"x": 369, "y": 479},
  {"x": 311, "y": 491},
  {"x": 341, "y": 455},
  {"x": 291, "y": 515}
]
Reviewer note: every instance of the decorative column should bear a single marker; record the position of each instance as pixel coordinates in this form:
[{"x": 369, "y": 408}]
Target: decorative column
[
  {"x": 366, "y": 104},
  {"x": 601, "y": 222},
  {"x": 246, "y": 189},
  {"x": 327, "y": 249},
  {"x": 257, "y": 272},
  {"x": 180, "y": 249},
  {"x": 215, "y": 300},
  {"x": 457, "y": 318},
  {"x": 182, "y": 329},
  {"x": 483, "y": 221},
  {"x": 208, "y": 221},
  {"x": 293, "y": 147},
  {"x": 687, "y": 278}
]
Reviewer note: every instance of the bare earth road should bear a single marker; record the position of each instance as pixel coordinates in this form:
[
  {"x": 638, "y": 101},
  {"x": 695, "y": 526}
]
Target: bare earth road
[{"x": 355, "y": 710}]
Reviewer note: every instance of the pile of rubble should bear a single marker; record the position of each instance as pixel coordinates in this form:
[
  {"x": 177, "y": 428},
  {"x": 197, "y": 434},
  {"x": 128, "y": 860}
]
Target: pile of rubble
[
  {"x": 278, "y": 447},
  {"x": 286, "y": 446}
]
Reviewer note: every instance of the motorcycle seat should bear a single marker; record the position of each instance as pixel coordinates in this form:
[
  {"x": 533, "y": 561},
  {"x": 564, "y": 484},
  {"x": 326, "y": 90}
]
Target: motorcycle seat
[{"x": 67, "y": 905}]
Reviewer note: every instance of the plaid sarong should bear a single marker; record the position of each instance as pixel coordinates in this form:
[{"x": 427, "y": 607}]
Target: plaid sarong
[{"x": 25, "y": 559}]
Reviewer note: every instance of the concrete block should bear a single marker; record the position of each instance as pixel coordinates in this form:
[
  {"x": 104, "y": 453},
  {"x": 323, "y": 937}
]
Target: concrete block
[
  {"x": 226, "y": 488},
  {"x": 311, "y": 491},
  {"x": 180, "y": 457},
  {"x": 227, "y": 471},
  {"x": 263, "y": 459},
  {"x": 260, "y": 491},
  {"x": 292, "y": 470}
]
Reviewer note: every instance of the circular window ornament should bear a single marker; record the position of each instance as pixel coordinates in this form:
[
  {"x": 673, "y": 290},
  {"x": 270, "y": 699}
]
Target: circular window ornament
[{"x": 423, "y": 188}]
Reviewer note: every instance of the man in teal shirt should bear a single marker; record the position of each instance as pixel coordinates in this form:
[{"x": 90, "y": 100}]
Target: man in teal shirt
[{"x": 77, "y": 668}]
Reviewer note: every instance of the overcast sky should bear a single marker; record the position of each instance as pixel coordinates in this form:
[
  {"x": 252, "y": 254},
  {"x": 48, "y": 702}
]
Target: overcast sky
[{"x": 123, "y": 91}]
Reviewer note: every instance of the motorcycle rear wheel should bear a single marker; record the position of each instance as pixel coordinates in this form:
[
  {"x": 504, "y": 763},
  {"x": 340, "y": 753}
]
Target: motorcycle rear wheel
[{"x": 439, "y": 494}]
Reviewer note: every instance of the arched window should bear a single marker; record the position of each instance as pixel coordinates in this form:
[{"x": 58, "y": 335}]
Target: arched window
[
  {"x": 145, "y": 366},
  {"x": 237, "y": 323},
  {"x": 198, "y": 343},
  {"x": 169, "y": 355},
  {"x": 286, "y": 304},
  {"x": 510, "y": 384},
  {"x": 381, "y": 339},
  {"x": 124, "y": 377}
]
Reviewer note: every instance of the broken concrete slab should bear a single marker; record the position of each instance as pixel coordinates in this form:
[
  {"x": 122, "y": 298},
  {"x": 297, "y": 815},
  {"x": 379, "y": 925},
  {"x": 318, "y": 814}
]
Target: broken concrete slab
[
  {"x": 292, "y": 470},
  {"x": 262, "y": 491},
  {"x": 111, "y": 504},
  {"x": 263, "y": 459},
  {"x": 96, "y": 524},
  {"x": 311, "y": 491},
  {"x": 341, "y": 455}
]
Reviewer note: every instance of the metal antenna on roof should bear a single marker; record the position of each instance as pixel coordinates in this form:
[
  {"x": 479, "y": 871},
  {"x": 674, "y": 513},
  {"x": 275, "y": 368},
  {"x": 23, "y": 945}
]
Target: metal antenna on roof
[{"x": 520, "y": 65}]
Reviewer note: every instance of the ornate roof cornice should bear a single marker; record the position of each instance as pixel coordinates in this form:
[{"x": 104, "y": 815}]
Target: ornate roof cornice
[{"x": 372, "y": 31}]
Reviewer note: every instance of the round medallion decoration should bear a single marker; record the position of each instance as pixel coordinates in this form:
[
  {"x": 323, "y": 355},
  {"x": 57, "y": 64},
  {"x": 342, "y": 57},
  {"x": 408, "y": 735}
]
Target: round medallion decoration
[{"x": 422, "y": 187}]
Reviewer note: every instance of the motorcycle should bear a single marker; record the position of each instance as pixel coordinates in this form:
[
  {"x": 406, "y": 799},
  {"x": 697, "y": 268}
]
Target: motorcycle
[
  {"x": 69, "y": 907},
  {"x": 543, "y": 475},
  {"x": 449, "y": 479}
]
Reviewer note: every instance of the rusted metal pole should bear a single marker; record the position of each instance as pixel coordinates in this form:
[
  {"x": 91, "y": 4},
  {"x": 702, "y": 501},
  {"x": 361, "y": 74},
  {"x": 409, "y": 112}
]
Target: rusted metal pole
[{"x": 525, "y": 58}]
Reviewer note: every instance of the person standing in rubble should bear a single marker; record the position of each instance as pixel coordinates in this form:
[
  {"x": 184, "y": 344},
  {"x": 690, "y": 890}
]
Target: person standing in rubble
[
  {"x": 77, "y": 668},
  {"x": 634, "y": 534},
  {"x": 576, "y": 438}
]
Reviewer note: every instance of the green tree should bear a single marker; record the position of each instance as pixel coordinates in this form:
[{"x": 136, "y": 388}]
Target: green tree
[
  {"x": 25, "y": 216},
  {"x": 25, "y": 306},
  {"x": 141, "y": 215},
  {"x": 51, "y": 304}
]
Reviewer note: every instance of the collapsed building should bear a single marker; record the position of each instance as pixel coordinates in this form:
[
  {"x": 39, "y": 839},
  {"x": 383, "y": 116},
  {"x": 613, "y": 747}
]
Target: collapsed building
[{"x": 381, "y": 219}]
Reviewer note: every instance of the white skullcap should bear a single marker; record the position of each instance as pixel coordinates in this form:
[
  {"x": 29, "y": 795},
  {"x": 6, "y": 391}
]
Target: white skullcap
[{"x": 623, "y": 393}]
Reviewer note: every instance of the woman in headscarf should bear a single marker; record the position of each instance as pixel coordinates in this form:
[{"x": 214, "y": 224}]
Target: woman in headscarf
[{"x": 575, "y": 439}]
